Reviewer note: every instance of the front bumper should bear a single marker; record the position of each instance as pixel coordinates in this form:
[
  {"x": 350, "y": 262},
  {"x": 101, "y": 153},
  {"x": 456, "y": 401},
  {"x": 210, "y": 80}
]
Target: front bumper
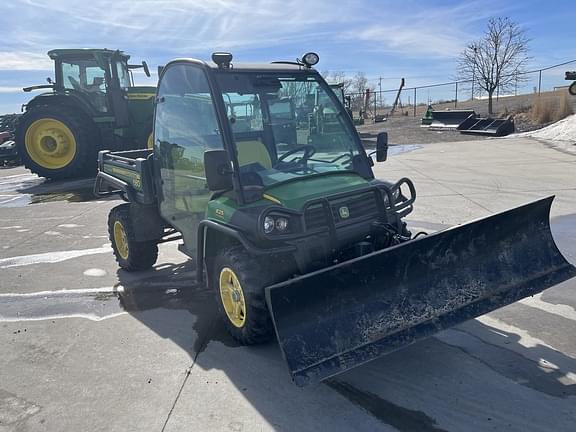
[{"x": 333, "y": 224}]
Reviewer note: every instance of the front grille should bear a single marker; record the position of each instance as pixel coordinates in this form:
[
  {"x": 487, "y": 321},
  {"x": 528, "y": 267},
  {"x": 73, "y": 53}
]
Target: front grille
[
  {"x": 315, "y": 217},
  {"x": 344, "y": 210},
  {"x": 358, "y": 207}
]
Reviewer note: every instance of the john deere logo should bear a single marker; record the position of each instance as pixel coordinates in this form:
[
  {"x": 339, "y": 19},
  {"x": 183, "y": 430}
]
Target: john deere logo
[{"x": 344, "y": 212}]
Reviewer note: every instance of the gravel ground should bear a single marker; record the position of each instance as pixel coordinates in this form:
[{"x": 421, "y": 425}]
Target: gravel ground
[{"x": 407, "y": 130}]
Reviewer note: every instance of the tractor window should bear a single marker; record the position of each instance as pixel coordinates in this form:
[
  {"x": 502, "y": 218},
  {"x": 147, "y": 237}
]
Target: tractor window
[
  {"x": 185, "y": 127},
  {"x": 70, "y": 75},
  {"x": 95, "y": 79},
  {"x": 86, "y": 76},
  {"x": 123, "y": 76},
  {"x": 83, "y": 75}
]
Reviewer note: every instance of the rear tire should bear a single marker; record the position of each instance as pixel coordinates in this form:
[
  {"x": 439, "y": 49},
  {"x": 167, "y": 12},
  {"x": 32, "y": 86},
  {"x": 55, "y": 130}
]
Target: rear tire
[
  {"x": 130, "y": 254},
  {"x": 57, "y": 142},
  {"x": 236, "y": 275}
]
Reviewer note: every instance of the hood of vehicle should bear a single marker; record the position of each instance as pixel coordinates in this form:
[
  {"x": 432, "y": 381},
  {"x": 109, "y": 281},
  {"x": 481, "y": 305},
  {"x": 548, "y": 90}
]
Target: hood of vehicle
[{"x": 294, "y": 194}]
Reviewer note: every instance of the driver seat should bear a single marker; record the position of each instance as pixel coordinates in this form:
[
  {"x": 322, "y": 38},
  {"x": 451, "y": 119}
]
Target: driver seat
[{"x": 253, "y": 151}]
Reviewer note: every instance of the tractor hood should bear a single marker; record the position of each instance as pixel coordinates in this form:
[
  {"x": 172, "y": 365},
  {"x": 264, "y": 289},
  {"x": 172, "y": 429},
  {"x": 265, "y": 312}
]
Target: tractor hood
[
  {"x": 294, "y": 194},
  {"x": 141, "y": 93}
]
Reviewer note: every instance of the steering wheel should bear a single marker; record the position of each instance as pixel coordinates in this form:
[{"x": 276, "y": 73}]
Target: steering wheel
[{"x": 308, "y": 150}]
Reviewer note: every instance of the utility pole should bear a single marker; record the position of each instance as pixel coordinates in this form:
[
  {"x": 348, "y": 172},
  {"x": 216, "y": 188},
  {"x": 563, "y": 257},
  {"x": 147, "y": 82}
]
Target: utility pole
[{"x": 380, "y": 90}]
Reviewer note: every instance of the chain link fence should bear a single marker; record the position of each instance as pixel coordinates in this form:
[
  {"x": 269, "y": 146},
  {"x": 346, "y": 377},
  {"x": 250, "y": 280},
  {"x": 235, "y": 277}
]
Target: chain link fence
[{"x": 458, "y": 94}]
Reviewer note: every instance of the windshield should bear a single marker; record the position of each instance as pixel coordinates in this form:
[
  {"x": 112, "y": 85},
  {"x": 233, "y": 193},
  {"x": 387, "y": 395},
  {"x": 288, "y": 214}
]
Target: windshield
[{"x": 286, "y": 127}]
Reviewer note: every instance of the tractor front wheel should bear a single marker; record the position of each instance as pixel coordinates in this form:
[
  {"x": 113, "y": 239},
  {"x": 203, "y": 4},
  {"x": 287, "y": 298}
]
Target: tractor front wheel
[
  {"x": 130, "y": 254},
  {"x": 238, "y": 281},
  {"x": 57, "y": 142}
]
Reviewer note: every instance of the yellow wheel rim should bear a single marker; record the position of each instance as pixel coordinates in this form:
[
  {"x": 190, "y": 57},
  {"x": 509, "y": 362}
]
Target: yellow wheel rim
[
  {"x": 150, "y": 142},
  {"x": 232, "y": 297},
  {"x": 50, "y": 143},
  {"x": 121, "y": 240}
]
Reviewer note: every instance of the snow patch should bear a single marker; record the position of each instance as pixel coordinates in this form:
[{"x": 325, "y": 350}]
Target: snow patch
[{"x": 563, "y": 130}]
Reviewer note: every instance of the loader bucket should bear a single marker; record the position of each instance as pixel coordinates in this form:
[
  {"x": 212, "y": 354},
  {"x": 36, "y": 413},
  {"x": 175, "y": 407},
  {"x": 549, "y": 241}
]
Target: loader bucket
[{"x": 340, "y": 317}]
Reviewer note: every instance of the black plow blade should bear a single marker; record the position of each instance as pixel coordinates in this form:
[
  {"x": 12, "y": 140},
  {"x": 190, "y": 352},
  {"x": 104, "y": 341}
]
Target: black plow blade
[{"x": 340, "y": 317}]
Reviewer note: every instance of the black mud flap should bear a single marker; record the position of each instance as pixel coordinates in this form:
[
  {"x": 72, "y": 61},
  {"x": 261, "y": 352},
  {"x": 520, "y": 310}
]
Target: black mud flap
[{"x": 343, "y": 316}]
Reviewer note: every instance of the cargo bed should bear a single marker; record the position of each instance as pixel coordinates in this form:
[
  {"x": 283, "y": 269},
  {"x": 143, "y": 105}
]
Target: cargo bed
[{"x": 128, "y": 173}]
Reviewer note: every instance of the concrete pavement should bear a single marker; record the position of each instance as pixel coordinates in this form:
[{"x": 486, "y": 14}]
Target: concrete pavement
[{"x": 85, "y": 346}]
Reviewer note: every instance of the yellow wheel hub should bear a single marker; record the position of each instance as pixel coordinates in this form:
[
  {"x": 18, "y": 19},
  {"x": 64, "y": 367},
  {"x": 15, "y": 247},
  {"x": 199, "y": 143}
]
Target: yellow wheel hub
[
  {"x": 232, "y": 297},
  {"x": 121, "y": 240},
  {"x": 50, "y": 143},
  {"x": 150, "y": 142}
]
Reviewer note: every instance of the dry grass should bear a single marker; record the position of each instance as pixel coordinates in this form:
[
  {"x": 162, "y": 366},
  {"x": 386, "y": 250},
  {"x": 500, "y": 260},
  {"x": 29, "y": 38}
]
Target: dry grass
[
  {"x": 565, "y": 108},
  {"x": 542, "y": 109},
  {"x": 547, "y": 110}
]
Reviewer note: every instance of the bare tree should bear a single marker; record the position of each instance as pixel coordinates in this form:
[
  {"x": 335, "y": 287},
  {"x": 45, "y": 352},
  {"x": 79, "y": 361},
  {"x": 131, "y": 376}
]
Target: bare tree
[
  {"x": 497, "y": 60},
  {"x": 338, "y": 77},
  {"x": 358, "y": 87}
]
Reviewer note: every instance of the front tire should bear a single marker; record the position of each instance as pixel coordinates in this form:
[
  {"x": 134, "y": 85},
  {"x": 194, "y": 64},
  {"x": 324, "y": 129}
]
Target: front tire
[
  {"x": 238, "y": 281},
  {"x": 130, "y": 254},
  {"x": 57, "y": 142}
]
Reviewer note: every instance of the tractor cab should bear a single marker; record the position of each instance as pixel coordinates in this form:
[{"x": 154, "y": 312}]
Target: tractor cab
[{"x": 102, "y": 77}]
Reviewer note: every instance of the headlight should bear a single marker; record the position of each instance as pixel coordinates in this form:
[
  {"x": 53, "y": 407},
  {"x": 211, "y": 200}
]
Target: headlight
[
  {"x": 278, "y": 224},
  {"x": 269, "y": 224},
  {"x": 281, "y": 224}
]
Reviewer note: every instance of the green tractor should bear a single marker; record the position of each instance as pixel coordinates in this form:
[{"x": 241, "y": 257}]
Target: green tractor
[
  {"x": 92, "y": 105},
  {"x": 293, "y": 233}
]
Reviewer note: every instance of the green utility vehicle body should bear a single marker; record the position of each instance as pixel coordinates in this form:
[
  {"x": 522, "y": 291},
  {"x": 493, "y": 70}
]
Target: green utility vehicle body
[
  {"x": 179, "y": 194},
  {"x": 294, "y": 234},
  {"x": 91, "y": 105}
]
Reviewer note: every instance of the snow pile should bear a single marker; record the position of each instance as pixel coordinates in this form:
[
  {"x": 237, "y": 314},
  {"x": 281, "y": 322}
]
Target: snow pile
[{"x": 563, "y": 130}]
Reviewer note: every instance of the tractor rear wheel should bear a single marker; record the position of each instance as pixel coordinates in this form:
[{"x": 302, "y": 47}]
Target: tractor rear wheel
[
  {"x": 130, "y": 254},
  {"x": 57, "y": 142},
  {"x": 238, "y": 281}
]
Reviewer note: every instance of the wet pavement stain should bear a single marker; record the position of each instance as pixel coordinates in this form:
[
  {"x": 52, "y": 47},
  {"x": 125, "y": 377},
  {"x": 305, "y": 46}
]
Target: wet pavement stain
[
  {"x": 25, "y": 189},
  {"x": 167, "y": 288},
  {"x": 403, "y": 419},
  {"x": 394, "y": 150}
]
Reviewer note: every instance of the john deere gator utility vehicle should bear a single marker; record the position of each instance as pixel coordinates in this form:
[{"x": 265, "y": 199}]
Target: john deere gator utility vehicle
[
  {"x": 295, "y": 236},
  {"x": 92, "y": 105}
]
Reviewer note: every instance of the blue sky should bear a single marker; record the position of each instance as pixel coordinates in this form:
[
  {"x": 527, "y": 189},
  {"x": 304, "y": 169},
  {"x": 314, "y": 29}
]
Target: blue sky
[{"x": 418, "y": 40}]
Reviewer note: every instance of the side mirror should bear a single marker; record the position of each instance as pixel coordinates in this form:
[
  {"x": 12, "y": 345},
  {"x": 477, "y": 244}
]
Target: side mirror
[
  {"x": 49, "y": 80},
  {"x": 145, "y": 67},
  {"x": 382, "y": 147},
  {"x": 160, "y": 69},
  {"x": 218, "y": 170}
]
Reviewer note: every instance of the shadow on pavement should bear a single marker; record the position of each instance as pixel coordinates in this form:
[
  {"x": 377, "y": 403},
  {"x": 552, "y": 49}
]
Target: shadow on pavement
[{"x": 261, "y": 376}]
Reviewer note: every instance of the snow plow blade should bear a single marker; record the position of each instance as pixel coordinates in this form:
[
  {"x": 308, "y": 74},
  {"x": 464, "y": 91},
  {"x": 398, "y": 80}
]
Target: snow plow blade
[{"x": 340, "y": 317}]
